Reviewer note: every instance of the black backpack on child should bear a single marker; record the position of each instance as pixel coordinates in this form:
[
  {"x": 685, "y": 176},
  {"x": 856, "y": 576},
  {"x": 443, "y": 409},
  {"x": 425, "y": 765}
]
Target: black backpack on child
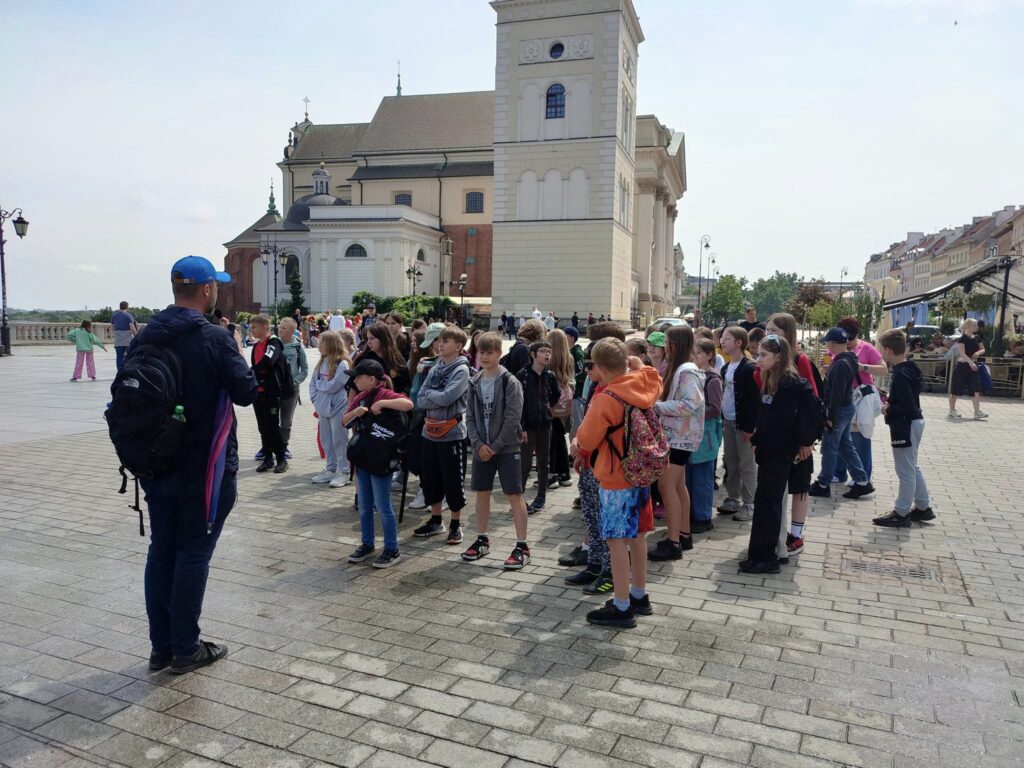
[
  {"x": 378, "y": 443},
  {"x": 811, "y": 416},
  {"x": 145, "y": 426}
]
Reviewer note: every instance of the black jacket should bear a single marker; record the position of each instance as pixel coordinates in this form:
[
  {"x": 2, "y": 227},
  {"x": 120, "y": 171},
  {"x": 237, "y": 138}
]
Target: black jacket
[
  {"x": 904, "y": 402},
  {"x": 775, "y": 438},
  {"x": 540, "y": 392},
  {"x": 839, "y": 384},
  {"x": 272, "y": 374},
  {"x": 210, "y": 365},
  {"x": 748, "y": 396},
  {"x": 517, "y": 358}
]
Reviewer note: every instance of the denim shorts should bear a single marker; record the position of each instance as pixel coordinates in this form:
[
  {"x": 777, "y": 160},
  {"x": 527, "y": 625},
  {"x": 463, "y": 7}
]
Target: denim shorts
[{"x": 620, "y": 513}]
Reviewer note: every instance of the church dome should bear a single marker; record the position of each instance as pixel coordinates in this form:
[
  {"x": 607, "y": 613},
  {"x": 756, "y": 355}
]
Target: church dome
[{"x": 299, "y": 211}]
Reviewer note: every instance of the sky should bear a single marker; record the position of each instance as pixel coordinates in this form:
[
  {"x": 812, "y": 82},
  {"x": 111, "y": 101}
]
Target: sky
[{"x": 817, "y": 132}]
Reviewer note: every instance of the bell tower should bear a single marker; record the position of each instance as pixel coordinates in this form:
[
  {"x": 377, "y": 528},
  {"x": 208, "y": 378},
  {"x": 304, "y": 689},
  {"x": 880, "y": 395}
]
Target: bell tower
[{"x": 564, "y": 125}]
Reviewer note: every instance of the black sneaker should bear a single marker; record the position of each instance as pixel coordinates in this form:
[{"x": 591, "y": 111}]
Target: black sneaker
[
  {"x": 429, "y": 528},
  {"x": 602, "y": 585},
  {"x": 266, "y": 466},
  {"x": 535, "y": 506},
  {"x": 576, "y": 503},
  {"x": 665, "y": 550},
  {"x": 552, "y": 482},
  {"x": 387, "y": 558},
  {"x": 565, "y": 481},
  {"x": 685, "y": 542},
  {"x": 520, "y": 556},
  {"x": 477, "y": 549},
  {"x": 822, "y": 491},
  {"x": 749, "y": 566},
  {"x": 205, "y": 655},
  {"x": 362, "y": 552},
  {"x": 701, "y": 526},
  {"x": 282, "y": 467},
  {"x": 858, "y": 491},
  {"x": 582, "y": 578},
  {"x": 454, "y": 535},
  {"x": 921, "y": 515},
  {"x": 641, "y": 607},
  {"x": 610, "y": 616},
  {"x": 577, "y": 557},
  {"x": 158, "y": 660},
  {"x": 893, "y": 520}
]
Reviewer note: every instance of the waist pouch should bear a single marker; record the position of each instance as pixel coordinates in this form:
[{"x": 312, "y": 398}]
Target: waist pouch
[{"x": 438, "y": 428}]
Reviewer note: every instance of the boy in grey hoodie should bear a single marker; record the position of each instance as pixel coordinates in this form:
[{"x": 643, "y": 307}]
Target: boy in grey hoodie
[
  {"x": 495, "y": 432},
  {"x": 443, "y": 398},
  {"x": 295, "y": 355}
]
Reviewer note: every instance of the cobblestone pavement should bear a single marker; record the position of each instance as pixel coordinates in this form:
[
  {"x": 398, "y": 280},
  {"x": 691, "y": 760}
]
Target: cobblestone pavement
[{"x": 875, "y": 648}]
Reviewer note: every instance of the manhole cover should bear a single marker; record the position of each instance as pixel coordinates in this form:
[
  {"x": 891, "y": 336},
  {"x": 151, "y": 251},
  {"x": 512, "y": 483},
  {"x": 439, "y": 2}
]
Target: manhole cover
[{"x": 887, "y": 568}]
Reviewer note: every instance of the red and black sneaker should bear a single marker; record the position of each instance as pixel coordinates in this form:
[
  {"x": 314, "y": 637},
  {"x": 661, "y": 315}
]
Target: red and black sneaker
[
  {"x": 794, "y": 545},
  {"x": 477, "y": 549},
  {"x": 520, "y": 556}
]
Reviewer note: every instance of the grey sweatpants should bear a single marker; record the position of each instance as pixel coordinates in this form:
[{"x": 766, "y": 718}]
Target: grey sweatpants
[
  {"x": 741, "y": 480},
  {"x": 287, "y": 412},
  {"x": 913, "y": 488}
]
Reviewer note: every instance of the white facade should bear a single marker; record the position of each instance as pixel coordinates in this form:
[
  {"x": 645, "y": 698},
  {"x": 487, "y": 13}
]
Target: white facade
[{"x": 564, "y": 127}]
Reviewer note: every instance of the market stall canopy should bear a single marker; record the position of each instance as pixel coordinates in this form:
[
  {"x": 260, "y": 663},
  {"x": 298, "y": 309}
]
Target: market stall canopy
[{"x": 986, "y": 272}]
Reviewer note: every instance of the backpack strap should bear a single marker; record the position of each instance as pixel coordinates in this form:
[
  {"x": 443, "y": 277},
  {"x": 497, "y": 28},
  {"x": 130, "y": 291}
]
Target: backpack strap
[{"x": 624, "y": 425}]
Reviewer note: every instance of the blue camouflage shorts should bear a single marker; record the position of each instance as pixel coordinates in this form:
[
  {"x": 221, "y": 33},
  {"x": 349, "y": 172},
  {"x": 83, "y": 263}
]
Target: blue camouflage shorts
[{"x": 620, "y": 513}]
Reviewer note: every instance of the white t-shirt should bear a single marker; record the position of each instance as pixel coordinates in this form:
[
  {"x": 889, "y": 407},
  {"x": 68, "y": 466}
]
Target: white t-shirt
[
  {"x": 729, "y": 395},
  {"x": 486, "y": 385},
  {"x": 537, "y": 314},
  {"x": 337, "y": 323}
]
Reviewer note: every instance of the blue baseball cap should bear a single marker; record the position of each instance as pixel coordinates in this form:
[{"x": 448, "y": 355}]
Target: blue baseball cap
[
  {"x": 836, "y": 336},
  {"x": 195, "y": 270}
]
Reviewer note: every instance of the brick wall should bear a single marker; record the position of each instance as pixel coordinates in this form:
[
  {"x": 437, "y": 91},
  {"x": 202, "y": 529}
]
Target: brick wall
[
  {"x": 237, "y": 295},
  {"x": 476, "y": 248}
]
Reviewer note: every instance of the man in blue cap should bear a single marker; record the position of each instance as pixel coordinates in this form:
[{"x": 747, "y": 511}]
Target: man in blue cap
[{"x": 187, "y": 508}]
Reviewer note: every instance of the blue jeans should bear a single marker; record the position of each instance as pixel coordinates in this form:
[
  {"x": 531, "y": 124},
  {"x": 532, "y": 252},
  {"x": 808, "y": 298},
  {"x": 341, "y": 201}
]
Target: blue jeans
[
  {"x": 837, "y": 442},
  {"x": 863, "y": 446},
  {"x": 375, "y": 491},
  {"x": 700, "y": 482},
  {"x": 178, "y": 565},
  {"x": 119, "y": 356}
]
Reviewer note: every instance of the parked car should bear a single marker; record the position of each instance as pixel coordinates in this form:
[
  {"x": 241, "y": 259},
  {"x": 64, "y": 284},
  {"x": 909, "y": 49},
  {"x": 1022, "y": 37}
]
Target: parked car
[{"x": 670, "y": 321}]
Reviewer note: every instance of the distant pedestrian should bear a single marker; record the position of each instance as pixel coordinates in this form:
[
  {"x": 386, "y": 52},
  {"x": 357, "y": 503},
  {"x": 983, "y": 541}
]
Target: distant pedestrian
[
  {"x": 84, "y": 340},
  {"x": 337, "y": 322},
  {"x": 124, "y": 331},
  {"x": 187, "y": 509},
  {"x": 550, "y": 322},
  {"x": 575, "y": 320},
  {"x": 537, "y": 314}
]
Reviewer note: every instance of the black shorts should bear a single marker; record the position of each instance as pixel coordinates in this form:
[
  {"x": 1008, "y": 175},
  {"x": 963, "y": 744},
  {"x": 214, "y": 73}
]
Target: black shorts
[
  {"x": 800, "y": 476},
  {"x": 965, "y": 381},
  {"x": 443, "y": 473},
  {"x": 678, "y": 457},
  {"x": 505, "y": 465}
]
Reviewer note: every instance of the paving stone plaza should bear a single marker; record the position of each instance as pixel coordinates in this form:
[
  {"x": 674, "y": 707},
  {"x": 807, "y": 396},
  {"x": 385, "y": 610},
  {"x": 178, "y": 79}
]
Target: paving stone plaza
[{"x": 872, "y": 648}]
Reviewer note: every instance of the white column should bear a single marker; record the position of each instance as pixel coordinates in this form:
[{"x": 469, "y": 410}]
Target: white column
[
  {"x": 658, "y": 256},
  {"x": 643, "y": 236},
  {"x": 670, "y": 265}
]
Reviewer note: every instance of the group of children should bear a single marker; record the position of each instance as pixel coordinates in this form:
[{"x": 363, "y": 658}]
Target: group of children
[{"x": 646, "y": 424}]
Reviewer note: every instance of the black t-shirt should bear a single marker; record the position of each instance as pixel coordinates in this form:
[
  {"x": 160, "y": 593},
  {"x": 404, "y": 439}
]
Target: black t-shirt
[
  {"x": 971, "y": 344},
  {"x": 749, "y": 326}
]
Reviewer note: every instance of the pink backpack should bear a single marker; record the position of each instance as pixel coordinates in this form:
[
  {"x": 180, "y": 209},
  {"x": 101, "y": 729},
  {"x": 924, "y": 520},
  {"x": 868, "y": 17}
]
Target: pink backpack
[
  {"x": 563, "y": 407},
  {"x": 646, "y": 454}
]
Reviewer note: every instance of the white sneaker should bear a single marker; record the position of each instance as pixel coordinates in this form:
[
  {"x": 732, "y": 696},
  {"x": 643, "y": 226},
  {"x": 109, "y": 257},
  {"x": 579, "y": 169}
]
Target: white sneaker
[
  {"x": 324, "y": 477},
  {"x": 745, "y": 513},
  {"x": 954, "y": 414},
  {"x": 978, "y": 415},
  {"x": 419, "y": 502},
  {"x": 340, "y": 480}
]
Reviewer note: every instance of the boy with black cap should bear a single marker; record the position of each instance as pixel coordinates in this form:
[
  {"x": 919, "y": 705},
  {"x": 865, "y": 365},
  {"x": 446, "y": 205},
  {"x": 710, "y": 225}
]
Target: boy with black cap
[{"x": 838, "y": 399}]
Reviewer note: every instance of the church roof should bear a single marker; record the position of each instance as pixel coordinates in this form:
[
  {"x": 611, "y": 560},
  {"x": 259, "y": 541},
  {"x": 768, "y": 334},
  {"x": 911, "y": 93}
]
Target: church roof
[
  {"x": 431, "y": 122},
  {"x": 422, "y": 171},
  {"x": 330, "y": 142},
  {"x": 251, "y": 235}
]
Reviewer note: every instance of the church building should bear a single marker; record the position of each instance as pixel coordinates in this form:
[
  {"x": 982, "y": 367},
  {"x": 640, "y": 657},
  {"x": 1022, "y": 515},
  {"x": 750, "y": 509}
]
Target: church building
[{"x": 547, "y": 191}]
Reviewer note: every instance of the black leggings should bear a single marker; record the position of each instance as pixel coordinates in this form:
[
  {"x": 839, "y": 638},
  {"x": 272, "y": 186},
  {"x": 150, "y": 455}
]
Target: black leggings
[
  {"x": 559, "y": 450},
  {"x": 769, "y": 498}
]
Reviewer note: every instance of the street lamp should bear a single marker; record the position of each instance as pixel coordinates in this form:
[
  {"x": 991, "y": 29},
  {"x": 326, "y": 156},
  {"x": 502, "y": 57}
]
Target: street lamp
[
  {"x": 461, "y": 285},
  {"x": 705, "y": 244},
  {"x": 20, "y": 228},
  {"x": 842, "y": 276},
  {"x": 280, "y": 257},
  {"x": 414, "y": 274},
  {"x": 712, "y": 260}
]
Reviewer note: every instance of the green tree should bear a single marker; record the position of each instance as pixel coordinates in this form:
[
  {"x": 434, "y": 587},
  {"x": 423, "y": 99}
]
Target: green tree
[
  {"x": 770, "y": 294},
  {"x": 977, "y": 301},
  {"x": 808, "y": 294},
  {"x": 952, "y": 305},
  {"x": 723, "y": 301},
  {"x": 287, "y": 307},
  {"x": 822, "y": 315},
  {"x": 141, "y": 314}
]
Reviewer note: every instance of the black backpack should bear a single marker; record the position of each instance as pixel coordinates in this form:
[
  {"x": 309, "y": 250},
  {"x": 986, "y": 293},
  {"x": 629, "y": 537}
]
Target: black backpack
[
  {"x": 147, "y": 433},
  {"x": 811, "y": 416},
  {"x": 378, "y": 443}
]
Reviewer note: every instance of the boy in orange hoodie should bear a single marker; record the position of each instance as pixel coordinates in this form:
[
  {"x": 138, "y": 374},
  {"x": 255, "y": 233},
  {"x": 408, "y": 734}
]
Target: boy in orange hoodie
[{"x": 638, "y": 385}]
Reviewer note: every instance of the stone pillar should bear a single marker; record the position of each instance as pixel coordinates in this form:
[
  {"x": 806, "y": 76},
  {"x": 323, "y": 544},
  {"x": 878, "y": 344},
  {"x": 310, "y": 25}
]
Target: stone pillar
[
  {"x": 643, "y": 237},
  {"x": 670, "y": 258},
  {"x": 658, "y": 256}
]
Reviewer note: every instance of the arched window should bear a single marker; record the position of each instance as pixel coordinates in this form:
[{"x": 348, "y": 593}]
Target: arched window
[
  {"x": 291, "y": 269},
  {"x": 355, "y": 251},
  {"x": 474, "y": 202},
  {"x": 403, "y": 198},
  {"x": 420, "y": 255},
  {"x": 555, "y": 101}
]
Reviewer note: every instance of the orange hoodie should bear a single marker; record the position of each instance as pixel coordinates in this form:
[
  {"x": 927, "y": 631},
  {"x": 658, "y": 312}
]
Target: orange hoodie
[{"x": 640, "y": 388}]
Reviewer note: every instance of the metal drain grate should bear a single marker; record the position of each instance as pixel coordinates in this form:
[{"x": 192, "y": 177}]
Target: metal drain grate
[{"x": 890, "y": 569}]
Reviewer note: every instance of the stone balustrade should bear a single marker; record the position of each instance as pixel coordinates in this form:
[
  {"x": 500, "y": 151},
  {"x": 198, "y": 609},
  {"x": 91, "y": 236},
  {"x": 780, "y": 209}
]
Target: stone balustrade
[{"x": 28, "y": 332}]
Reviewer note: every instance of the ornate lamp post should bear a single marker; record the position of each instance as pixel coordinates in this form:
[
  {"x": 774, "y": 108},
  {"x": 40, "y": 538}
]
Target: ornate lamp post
[
  {"x": 20, "y": 228},
  {"x": 414, "y": 274},
  {"x": 461, "y": 285},
  {"x": 705, "y": 244},
  {"x": 280, "y": 257},
  {"x": 842, "y": 277}
]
